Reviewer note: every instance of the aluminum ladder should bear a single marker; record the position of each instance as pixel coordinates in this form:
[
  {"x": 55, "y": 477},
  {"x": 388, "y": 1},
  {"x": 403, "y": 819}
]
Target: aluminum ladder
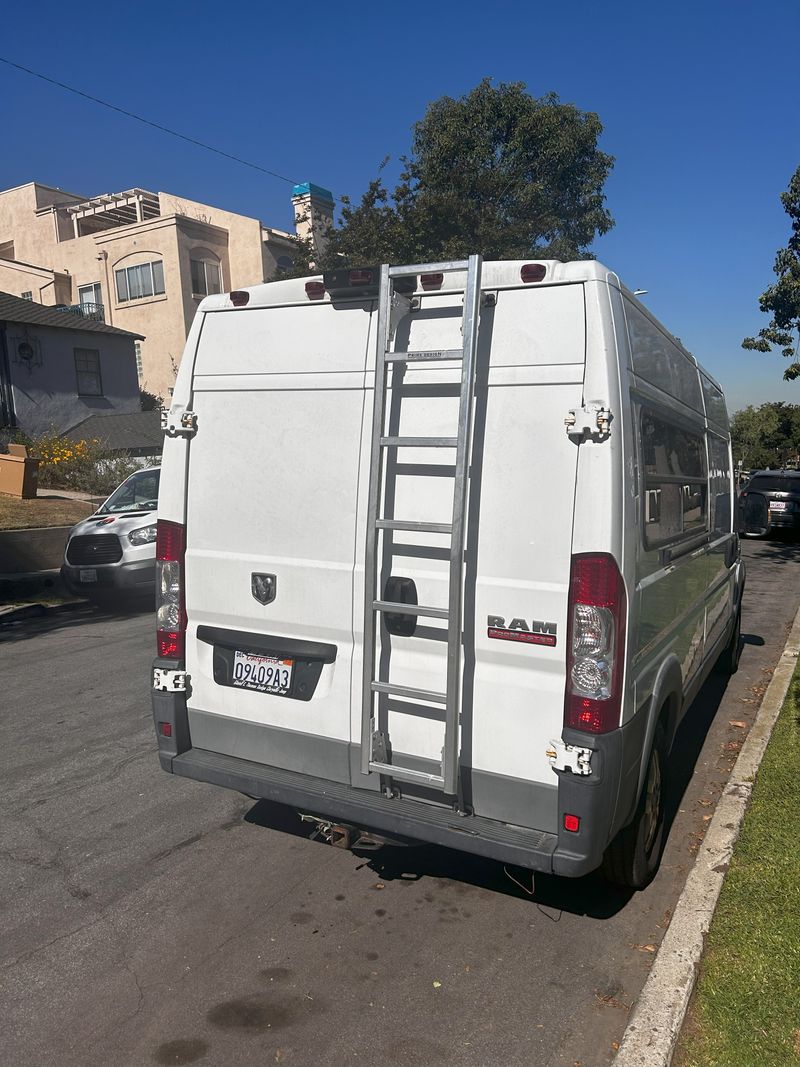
[{"x": 373, "y": 745}]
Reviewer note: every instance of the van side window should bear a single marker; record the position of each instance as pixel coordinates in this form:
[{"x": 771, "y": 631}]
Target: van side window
[
  {"x": 719, "y": 484},
  {"x": 675, "y": 490}
]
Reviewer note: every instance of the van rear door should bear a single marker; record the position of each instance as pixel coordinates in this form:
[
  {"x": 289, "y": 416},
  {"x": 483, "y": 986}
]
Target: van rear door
[
  {"x": 530, "y": 370},
  {"x": 271, "y": 533}
]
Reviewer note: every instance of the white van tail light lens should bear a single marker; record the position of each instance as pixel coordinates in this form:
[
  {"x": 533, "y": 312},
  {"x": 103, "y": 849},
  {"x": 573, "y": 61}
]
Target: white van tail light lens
[
  {"x": 170, "y": 602},
  {"x": 240, "y": 298},
  {"x": 431, "y": 281},
  {"x": 533, "y": 272},
  {"x": 595, "y": 644},
  {"x": 315, "y": 290}
]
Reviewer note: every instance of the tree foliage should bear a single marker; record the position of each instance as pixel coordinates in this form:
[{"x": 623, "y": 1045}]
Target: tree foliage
[
  {"x": 766, "y": 436},
  {"x": 782, "y": 300},
  {"x": 496, "y": 171}
]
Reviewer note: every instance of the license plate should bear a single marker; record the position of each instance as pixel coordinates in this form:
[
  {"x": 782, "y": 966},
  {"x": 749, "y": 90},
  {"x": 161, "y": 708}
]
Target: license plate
[
  {"x": 88, "y": 575},
  {"x": 264, "y": 674},
  {"x": 777, "y": 505}
]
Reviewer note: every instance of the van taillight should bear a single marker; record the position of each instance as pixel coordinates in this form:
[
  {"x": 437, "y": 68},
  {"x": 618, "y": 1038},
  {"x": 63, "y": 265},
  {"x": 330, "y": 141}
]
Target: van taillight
[
  {"x": 170, "y": 601},
  {"x": 595, "y": 644},
  {"x": 240, "y": 298},
  {"x": 315, "y": 290},
  {"x": 431, "y": 281},
  {"x": 533, "y": 272}
]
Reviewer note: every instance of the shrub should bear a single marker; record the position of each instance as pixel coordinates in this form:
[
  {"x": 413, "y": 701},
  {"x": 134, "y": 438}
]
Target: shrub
[{"x": 78, "y": 465}]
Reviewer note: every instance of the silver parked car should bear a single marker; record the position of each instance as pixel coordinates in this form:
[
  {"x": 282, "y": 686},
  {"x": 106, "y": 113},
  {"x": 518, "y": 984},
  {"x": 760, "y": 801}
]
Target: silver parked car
[{"x": 115, "y": 549}]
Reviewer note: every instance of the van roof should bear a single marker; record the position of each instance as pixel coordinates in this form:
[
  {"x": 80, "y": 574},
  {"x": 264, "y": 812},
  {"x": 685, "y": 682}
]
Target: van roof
[{"x": 496, "y": 274}]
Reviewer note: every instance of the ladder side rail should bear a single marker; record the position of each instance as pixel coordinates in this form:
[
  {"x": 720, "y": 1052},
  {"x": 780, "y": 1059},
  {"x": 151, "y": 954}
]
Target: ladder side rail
[
  {"x": 470, "y": 318},
  {"x": 371, "y": 620}
]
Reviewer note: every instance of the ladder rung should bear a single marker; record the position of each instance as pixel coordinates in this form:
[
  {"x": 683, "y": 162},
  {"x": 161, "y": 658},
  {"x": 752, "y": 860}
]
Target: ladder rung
[
  {"x": 409, "y": 609},
  {"x": 405, "y": 774},
  {"x": 424, "y": 357},
  {"x": 419, "y": 442},
  {"x": 409, "y": 691},
  {"x": 417, "y": 527}
]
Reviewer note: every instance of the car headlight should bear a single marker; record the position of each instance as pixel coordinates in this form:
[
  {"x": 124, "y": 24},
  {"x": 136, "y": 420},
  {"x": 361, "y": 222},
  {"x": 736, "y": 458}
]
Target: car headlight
[{"x": 145, "y": 535}]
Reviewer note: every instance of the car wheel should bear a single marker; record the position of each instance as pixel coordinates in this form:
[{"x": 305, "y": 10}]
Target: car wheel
[{"x": 632, "y": 858}]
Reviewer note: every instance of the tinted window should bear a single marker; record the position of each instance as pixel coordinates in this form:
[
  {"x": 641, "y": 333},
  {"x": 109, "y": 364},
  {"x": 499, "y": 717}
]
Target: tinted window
[
  {"x": 675, "y": 489},
  {"x": 658, "y": 360},
  {"x": 719, "y": 483},
  {"x": 774, "y": 483}
]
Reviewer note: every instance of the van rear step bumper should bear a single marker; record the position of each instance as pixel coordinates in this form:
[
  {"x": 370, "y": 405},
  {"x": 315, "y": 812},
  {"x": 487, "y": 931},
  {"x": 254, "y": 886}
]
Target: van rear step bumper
[{"x": 370, "y": 810}]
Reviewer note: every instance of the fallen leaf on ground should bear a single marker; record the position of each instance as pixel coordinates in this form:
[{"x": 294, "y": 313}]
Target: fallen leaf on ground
[
  {"x": 379, "y": 885},
  {"x": 615, "y": 1045},
  {"x": 645, "y": 948},
  {"x": 738, "y": 722},
  {"x": 437, "y": 985}
]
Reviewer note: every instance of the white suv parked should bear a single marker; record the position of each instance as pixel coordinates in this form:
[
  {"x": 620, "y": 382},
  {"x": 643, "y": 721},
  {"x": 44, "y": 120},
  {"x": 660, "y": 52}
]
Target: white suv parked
[{"x": 115, "y": 549}]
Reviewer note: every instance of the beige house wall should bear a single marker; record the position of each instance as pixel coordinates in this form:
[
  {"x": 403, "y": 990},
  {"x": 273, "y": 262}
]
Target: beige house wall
[{"x": 50, "y": 262}]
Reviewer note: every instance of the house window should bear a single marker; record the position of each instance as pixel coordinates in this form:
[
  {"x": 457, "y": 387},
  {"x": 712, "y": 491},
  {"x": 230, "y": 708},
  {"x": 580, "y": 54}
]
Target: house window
[
  {"x": 284, "y": 264},
  {"x": 7, "y": 250},
  {"x": 205, "y": 277},
  {"x": 146, "y": 279},
  {"x": 137, "y": 348},
  {"x": 90, "y": 294},
  {"x": 27, "y": 295},
  {"x": 87, "y": 372}
]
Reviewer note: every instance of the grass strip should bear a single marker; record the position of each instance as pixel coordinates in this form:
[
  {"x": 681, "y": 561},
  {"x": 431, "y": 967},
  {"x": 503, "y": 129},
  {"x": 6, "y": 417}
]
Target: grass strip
[{"x": 746, "y": 1006}]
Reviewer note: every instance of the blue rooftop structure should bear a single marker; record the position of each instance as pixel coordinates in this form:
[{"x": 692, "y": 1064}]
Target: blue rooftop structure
[{"x": 309, "y": 189}]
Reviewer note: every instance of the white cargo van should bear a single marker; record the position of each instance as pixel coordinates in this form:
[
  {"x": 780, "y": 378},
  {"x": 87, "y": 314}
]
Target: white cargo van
[{"x": 445, "y": 552}]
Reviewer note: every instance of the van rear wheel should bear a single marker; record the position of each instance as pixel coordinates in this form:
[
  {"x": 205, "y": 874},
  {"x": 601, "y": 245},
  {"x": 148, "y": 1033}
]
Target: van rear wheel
[
  {"x": 728, "y": 662},
  {"x": 632, "y": 858}
]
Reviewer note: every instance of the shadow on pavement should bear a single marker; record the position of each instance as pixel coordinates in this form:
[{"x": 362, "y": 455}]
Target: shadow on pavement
[
  {"x": 582, "y": 896},
  {"x": 51, "y": 620}
]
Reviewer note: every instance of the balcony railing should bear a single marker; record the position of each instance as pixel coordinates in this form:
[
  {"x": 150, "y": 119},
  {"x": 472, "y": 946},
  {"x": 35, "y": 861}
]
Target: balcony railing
[{"x": 95, "y": 312}]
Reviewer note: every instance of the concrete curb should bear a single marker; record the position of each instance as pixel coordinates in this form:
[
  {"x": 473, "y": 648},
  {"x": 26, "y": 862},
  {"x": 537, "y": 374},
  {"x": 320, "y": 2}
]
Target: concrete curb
[{"x": 653, "y": 1030}]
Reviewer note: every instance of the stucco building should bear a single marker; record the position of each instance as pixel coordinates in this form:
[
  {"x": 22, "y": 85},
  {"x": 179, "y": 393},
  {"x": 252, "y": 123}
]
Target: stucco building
[{"x": 138, "y": 260}]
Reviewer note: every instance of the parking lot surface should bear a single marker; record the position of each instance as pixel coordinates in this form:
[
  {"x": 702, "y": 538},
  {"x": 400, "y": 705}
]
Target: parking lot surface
[{"x": 151, "y": 919}]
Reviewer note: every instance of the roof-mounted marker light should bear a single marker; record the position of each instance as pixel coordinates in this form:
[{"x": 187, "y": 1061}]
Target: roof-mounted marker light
[
  {"x": 533, "y": 272},
  {"x": 240, "y": 297},
  {"x": 315, "y": 290},
  {"x": 431, "y": 281},
  {"x": 360, "y": 277}
]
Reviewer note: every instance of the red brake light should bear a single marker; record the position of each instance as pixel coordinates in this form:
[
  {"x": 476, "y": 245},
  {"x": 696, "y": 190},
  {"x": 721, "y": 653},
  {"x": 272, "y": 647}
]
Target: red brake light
[
  {"x": 595, "y": 644},
  {"x": 165, "y": 729},
  {"x": 533, "y": 272},
  {"x": 170, "y": 594},
  {"x": 170, "y": 542},
  {"x": 431, "y": 281},
  {"x": 239, "y": 298},
  {"x": 315, "y": 290},
  {"x": 572, "y": 823}
]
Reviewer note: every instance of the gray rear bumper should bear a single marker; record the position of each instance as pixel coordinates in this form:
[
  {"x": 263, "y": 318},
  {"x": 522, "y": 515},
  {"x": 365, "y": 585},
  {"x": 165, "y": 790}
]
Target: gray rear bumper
[{"x": 369, "y": 810}]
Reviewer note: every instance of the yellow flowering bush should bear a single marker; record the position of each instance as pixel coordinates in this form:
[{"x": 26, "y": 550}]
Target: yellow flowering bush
[{"x": 80, "y": 465}]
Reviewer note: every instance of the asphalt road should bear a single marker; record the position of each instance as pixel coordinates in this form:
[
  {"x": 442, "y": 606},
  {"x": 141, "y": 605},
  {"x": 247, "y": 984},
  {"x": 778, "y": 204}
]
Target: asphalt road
[{"x": 150, "y": 919}]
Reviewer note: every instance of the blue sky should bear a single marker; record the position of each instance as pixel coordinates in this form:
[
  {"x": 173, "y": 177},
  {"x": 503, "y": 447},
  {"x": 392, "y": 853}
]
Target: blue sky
[{"x": 699, "y": 102}]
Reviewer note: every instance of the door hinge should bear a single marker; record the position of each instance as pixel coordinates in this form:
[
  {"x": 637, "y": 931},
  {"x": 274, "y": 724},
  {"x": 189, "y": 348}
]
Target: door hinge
[
  {"x": 565, "y": 757},
  {"x": 590, "y": 420},
  {"x": 178, "y": 423},
  {"x": 170, "y": 681}
]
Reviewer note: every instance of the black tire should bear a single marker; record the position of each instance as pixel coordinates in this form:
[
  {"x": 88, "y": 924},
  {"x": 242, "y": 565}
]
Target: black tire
[
  {"x": 632, "y": 858},
  {"x": 728, "y": 662}
]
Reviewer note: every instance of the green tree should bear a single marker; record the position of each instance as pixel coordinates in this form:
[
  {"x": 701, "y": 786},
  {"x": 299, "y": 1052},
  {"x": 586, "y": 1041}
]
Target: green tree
[
  {"x": 496, "y": 171},
  {"x": 782, "y": 299},
  {"x": 766, "y": 436}
]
